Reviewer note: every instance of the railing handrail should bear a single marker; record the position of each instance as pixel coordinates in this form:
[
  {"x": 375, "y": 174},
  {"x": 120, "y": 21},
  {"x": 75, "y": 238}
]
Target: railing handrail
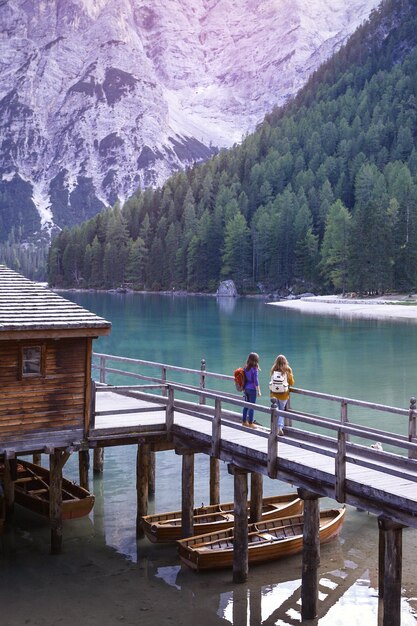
[
  {"x": 296, "y": 390},
  {"x": 319, "y": 421},
  {"x": 174, "y": 368}
]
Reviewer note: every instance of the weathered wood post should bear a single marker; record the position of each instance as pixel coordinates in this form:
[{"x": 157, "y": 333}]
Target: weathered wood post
[
  {"x": 170, "y": 418},
  {"x": 256, "y": 493},
  {"x": 187, "y": 511},
  {"x": 340, "y": 460},
  {"x": 102, "y": 369},
  {"x": 169, "y": 412},
  {"x": 216, "y": 429},
  {"x": 98, "y": 460},
  {"x": 311, "y": 554},
  {"x": 151, "y": 482},
  {"x": 8, "y": 484},
  {"x": 98, "y": 452},
  {"x": 273, "y": 441},
  {"x": 142, "y": 485},
  {"x": 57, "y": 460},
  {"x": 37, "y": 459},
  {"x": 215, "y": 453},
  {"x": 202, "y": 379},
  {"x": 84, "y": 466},
  {"x": 390, "y": 537},
  {"x": 214, "y": 480},
  {"x": 164, "y": 380},
  {"x": 381, "y": 567},
  {"x": 240, "y": 533},
  {"x": 412, "y": 434},
  {"x": 214, "y": 461}
]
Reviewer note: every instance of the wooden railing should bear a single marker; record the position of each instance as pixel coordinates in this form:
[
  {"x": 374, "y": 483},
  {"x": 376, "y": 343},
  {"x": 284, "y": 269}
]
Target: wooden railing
[
  {"x": 201, "y": 375},
  {"x": 344, "y": 441}
]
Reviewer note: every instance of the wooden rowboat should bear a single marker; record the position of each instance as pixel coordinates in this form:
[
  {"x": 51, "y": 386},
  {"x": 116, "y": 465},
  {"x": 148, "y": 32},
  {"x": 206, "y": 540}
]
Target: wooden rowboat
[
  {"x": 164, "y": 527},
  {"x": 267, "y": 541},
  {"x": 32, "y": 492}
]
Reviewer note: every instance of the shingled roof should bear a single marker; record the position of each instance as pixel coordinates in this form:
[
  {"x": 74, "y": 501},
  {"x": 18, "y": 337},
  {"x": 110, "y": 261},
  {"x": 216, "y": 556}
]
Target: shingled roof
[{"x": 26, "y": 306}]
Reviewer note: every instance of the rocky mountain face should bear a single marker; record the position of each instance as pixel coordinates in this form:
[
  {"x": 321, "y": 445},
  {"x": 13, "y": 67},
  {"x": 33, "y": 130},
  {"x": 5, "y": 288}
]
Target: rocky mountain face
[{"x": 99, "y": 97}]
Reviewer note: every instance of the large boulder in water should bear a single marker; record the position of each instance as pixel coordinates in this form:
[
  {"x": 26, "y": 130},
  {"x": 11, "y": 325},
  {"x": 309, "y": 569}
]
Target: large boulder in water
[{"x": 227, "y": 288}]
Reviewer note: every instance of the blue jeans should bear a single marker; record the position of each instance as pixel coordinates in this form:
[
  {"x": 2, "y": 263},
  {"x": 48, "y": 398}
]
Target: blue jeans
[
  {"x": 281, "y": 405},
  {"x": 250, "y": 396}
]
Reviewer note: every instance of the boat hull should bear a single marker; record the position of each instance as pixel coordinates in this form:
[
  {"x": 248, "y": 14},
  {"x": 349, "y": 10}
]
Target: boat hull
[
  {"x": 167, "y": 527},
  {"x": 267, "y": 541},
  {"x": 31, "y": 492}
]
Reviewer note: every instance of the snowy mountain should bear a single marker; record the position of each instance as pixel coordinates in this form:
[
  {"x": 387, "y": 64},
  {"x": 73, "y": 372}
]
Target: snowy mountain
[{"x": 99, "y": 97}]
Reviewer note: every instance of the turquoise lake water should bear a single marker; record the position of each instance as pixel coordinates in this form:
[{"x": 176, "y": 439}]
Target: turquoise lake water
[
  {"x": 371, "y": 360},
  {"x": 365, "y": 359}
]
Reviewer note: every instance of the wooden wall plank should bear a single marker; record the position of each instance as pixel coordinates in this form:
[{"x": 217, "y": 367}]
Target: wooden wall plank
[{"x": 54, "y": 401}]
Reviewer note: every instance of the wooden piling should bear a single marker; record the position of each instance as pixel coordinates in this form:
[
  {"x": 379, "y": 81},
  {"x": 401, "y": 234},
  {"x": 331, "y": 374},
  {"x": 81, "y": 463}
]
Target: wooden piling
[
  {"x": 256, "y": 494},
  {"x": 340, "y": 460},
  {"x": 142, "y": 485},
  {"x": 216, "y": 432},
  {"x": 98, "y": 460},
  {"x": 240, "y": 543},
  {"x": 311, "y": 555},
  {"x": 84, "y": 466},
  {"x": 151, "y": 479},
  {"x": 8, "y": 485},
  {"x": 37, "y": 459},
  {"x": 412, "y": 426},
  {"x": 214, "y": 480},
  {"x": 187, "y": 509},
  {"x": 273, "y": 440},
  {"x": 55, "y": 501},
  {"x": 390, "y": 537}
]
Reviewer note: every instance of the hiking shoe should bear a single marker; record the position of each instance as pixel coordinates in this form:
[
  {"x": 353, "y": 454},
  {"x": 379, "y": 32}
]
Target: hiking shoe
[
  {"x": 280, "y": 432},
  {"x": 252, "y": 424},
  {"x": 244, "y": 423}
]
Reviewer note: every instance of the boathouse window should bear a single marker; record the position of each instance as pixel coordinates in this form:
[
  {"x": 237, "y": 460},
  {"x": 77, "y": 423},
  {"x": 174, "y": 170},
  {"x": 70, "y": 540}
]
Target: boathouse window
[{"x": 31, "y": 360}]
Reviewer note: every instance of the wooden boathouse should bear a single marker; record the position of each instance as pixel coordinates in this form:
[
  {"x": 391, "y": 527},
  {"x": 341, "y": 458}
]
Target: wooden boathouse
[
  {"x": 45, "y": 379},
  {"x": 51, "y": 405}
]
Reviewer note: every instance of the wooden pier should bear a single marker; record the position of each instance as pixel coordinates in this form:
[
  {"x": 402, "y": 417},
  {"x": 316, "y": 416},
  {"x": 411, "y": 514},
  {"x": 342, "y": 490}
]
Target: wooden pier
[{"x": 322, "y": 456}]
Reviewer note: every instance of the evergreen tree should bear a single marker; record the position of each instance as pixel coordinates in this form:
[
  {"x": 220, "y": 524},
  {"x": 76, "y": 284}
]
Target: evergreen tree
[
  {"x": 371, "y": 261},
  {"x": 335, "y": 248},
  {"x": 237, "y": 257}
]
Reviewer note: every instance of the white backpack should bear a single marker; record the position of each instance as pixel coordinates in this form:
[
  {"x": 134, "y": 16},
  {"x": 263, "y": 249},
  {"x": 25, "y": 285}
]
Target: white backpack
[{"x": 278, "y": 382}]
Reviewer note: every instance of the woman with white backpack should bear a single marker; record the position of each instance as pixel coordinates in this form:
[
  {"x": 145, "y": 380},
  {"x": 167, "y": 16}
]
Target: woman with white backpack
[{"x": 282, "y": 379}]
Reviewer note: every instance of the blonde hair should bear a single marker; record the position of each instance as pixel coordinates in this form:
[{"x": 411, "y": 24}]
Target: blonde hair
[{"x": 280, "y": 364}]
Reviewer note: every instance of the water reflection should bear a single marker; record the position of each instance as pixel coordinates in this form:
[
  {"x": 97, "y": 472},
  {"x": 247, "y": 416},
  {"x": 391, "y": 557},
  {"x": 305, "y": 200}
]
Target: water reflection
[
  {"x": 280, "y": 605},
  {"x": 169, "y": 575},
  {"x": 226, "y": 304}
]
